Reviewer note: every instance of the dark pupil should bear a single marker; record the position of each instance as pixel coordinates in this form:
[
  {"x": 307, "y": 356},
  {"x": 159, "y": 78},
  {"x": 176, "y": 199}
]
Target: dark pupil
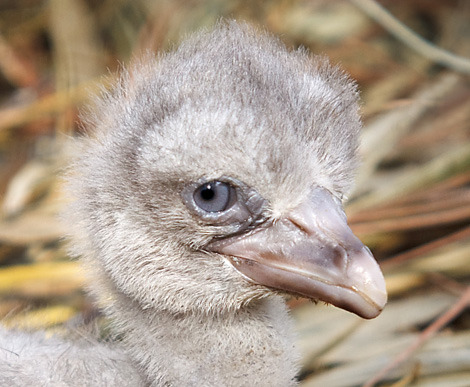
[{"x": 207, "y": 193}]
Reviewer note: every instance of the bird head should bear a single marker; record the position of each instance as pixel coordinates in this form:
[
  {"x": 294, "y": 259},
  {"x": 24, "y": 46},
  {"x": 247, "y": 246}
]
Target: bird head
[{"x": 215, "y": 176}]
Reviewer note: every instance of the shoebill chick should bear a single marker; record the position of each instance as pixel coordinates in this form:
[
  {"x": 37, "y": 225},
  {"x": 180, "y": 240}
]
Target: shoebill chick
[{"x": 210, "y": 186}]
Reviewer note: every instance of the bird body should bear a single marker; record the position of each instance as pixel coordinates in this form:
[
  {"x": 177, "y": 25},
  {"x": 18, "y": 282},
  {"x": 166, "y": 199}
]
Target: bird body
[
  {"x": 33, "y": 359},
  {"x": 209, "y": 187}
]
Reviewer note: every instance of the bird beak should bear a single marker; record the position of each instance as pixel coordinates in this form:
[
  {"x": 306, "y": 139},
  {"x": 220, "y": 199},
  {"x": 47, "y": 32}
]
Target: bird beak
[{"x": 311, "y": 251}]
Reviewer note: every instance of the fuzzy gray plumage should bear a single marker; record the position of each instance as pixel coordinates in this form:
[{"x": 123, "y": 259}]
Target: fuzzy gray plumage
[{"x": 231, "y": 102}]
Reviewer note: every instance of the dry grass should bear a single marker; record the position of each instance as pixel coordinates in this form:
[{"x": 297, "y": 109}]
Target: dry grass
[{"x": 411, "y": 205}]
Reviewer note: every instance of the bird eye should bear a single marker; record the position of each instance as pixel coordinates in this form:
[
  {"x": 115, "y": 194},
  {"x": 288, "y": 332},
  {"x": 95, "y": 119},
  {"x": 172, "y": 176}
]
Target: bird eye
[{"x": 215, "y": 196}]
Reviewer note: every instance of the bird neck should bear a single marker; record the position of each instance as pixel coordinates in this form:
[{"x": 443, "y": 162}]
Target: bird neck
[{"x": 252, "y": 346}]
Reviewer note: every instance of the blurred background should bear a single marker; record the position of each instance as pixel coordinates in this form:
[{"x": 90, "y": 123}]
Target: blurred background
[{"x": 412, "y": 199}]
